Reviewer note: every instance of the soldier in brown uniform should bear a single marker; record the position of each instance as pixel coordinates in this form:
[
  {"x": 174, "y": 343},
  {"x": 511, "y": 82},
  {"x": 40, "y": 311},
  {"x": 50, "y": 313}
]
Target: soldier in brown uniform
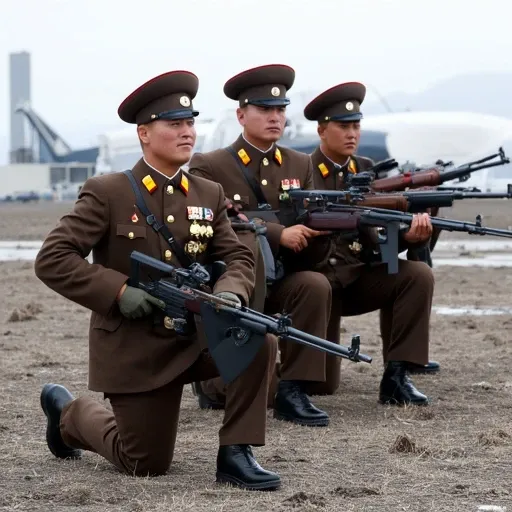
[
  {"x": 254, "y": 171},
  {"x": 360, "y": 281},
  {"x": 141, "y": 367}
]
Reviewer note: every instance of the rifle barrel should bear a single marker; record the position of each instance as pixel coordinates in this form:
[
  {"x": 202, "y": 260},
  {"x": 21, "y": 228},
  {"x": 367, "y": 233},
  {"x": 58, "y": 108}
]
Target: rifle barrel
[
  {"x": 445, "y": 224},
  {"x": 484, "y": 195},
  {"x": 296, "y": 335},
  {"x": 465, "y": 170},
  {"x": 330, "y": 348}
]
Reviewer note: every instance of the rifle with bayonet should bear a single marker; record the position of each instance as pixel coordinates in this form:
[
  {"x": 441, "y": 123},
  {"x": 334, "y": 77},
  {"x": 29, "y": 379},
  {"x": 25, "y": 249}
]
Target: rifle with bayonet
[
  {"x": 315, "y": 210},
  {"x": 234, "y": 333},
  {"x": 436, "y": 175}
]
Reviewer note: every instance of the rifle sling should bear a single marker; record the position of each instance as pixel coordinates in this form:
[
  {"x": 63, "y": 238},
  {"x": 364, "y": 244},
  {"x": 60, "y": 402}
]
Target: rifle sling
[
  {"x": 273, "y": 268},
  {"x": 251, "y": 181},
  {"x": 162, "y": 229}
]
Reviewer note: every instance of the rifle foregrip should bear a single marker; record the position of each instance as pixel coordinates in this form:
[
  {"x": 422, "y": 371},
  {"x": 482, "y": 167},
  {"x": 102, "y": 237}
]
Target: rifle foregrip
[
  {"x": 388, "y": 202},
  {"x": 332, "y": 221},
  {"x": 427, "y": 178}
]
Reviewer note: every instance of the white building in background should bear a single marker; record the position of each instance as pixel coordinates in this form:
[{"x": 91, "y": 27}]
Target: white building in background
[
  {"x": 415, "y": 137},
  {"x": 55, "y": 181}
]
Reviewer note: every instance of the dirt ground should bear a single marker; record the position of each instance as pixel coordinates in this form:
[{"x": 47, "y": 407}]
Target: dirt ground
[{"x": 452, "y": 456}]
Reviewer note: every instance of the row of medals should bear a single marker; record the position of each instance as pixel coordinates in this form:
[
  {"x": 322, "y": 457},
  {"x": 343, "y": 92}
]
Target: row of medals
[{"x": 199, "y": 231}]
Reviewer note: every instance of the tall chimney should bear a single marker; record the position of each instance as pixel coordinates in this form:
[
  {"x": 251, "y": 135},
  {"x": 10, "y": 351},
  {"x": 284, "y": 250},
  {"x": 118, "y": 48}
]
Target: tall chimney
[{"x": 19, "y": 72}]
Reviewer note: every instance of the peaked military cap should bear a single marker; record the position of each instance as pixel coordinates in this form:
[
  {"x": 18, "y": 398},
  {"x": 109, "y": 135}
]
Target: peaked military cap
[
  {"x": 339, "y": 103},
  {"x": 167, "y": 96},
  {"x": 264, "y": 86}
]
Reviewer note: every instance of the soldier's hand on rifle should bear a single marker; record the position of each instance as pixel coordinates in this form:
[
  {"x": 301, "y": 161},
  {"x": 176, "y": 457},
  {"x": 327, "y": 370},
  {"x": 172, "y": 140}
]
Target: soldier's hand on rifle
[
  {"x": 229, "y": 296},
  {"x": 136, "y": 303},
  {"x": 296, "y": 237},
  {"x": 420, "y": 230}
]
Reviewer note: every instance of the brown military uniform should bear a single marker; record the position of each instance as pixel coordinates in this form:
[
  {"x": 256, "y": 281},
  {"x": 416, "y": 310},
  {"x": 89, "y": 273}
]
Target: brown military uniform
[
  {"x": 305, "y": 295},
  {"x": 359, "y": 286},
  {"x": 140, "y": 367}
]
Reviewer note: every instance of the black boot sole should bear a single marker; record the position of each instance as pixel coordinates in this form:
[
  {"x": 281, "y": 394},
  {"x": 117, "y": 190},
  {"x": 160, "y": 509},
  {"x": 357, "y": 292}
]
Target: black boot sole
[
  {"x": 320, "y": 422},
  {"x": 206, "y": 403},
  {"x": 224, "y": 478},
  {"x": 51, "y": 427},
  {"x": 422, "y": 371},
  {"x": 394, "y": 401}
]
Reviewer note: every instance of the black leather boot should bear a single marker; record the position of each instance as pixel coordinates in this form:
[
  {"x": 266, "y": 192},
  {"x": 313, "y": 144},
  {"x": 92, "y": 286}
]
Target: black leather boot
[
  {"x": 236, "y": 465},
  {"x": 397, "y": 388},
  {"x": 53, "y": 399},
  {"x": 420, "y": 369},
  {"x": 292, "y": 404},
  {"x": 205, "y": 402}
]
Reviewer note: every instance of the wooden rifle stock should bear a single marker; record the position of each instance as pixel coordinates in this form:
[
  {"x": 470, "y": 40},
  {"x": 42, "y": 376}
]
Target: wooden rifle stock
[
  {"x": 399, "y": 183},
  {"x": 387, "y": 202}
]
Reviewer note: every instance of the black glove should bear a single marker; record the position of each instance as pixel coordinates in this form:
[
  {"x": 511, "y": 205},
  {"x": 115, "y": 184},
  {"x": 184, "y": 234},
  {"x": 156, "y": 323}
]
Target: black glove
[{"x": 136, "y": 303}]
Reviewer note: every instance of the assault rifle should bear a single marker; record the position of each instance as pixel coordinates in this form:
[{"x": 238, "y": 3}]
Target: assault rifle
[
  {"x": 234, "y": 333},
  {"x": 437, "y": 175},
  {"x": 314, "y": 210},
  {"x": 415, "y": 201}
]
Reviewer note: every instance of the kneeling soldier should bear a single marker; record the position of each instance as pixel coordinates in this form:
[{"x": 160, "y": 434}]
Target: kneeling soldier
[
  {"x": 139, "y": 366},
  {"x": 255, "y": 172},
  {"x": 359, "y": 280}
]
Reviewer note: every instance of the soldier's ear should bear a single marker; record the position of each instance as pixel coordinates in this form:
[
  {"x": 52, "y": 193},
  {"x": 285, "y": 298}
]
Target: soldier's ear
[
  {"x": 240, "y": 115},
  {"x": 321, "y": 129},
  {"x": 143, "y": 133}
]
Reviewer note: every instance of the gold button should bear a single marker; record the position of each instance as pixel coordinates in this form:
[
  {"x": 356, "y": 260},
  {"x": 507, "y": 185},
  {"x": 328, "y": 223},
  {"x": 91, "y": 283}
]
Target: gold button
[
  {"x": 130, "y": 234},
  {"x": 168, "y": 322},
  {"x": 264, "y": 182},
  {"x": 170, "y": 218},
  {"x": 168, "y": 254},
  {"x": 169, "y": 189},
  {"x": 237, "y": 197},
  {"x": 265, "y": 161}
]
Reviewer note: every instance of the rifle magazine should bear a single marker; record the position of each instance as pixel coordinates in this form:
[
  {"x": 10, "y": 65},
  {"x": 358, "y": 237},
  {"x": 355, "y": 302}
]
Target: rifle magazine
[{"x": 233, "y": 342}]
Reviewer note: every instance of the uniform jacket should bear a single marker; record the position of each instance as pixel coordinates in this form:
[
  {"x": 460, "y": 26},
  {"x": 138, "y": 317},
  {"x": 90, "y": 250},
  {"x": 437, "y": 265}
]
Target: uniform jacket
[
  {"x": 343, "y": 265},
  {"x": 275, "y": 170},
  {"x": 133, "y": 355}
]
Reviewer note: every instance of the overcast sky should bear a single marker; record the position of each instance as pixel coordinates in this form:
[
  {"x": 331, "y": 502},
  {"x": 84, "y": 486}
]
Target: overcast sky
[{"x": 87, "y": 55}]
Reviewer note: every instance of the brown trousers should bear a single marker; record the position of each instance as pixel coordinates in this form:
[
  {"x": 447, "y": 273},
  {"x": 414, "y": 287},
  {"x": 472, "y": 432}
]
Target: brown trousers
[
  {"x": 139, "y": 435},
  {"x": 404, "y": 301},
  {"x": 306, "y": 297}
]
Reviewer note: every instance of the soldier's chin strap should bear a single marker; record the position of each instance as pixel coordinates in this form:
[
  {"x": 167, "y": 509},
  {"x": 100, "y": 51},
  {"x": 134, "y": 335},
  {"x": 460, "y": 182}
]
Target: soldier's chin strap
[{"x": 160, "y": 228}]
